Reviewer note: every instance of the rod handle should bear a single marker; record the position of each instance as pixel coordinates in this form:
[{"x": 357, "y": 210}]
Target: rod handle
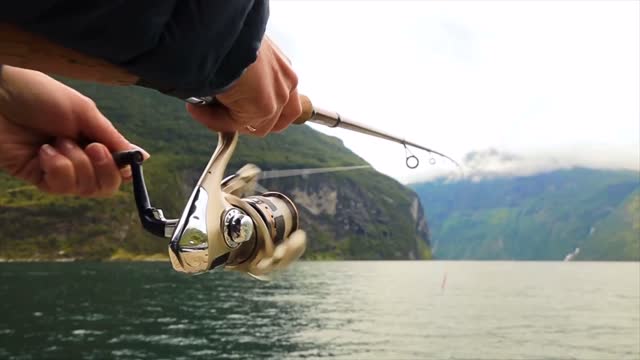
[{"x": 307, "y": 110}]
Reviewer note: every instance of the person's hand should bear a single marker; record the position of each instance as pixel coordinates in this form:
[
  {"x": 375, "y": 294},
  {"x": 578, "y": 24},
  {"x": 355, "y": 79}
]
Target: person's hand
[
  {"x": 263, "y": 100},
  {"x": 43, "y": 127}
]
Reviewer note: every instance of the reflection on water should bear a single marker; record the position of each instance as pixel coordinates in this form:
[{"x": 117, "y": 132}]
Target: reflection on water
[{"x": 345, "y": 310}]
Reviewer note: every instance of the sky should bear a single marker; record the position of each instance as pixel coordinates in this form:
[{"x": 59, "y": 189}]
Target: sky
[{"x": 546, "y": 81}]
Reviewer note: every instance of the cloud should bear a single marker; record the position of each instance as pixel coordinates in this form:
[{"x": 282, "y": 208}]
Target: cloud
[
  {"x": 550, "y": 79},
  {"x": 491, "y": 163}
]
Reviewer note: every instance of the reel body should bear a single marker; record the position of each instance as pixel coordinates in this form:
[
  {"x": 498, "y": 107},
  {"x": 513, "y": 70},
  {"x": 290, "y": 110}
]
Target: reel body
[{"x": 222, "y": 226}]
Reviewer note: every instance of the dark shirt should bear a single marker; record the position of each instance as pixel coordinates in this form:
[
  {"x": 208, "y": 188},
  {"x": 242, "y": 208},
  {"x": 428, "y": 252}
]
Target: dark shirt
[{"x": 181, "y": 47}]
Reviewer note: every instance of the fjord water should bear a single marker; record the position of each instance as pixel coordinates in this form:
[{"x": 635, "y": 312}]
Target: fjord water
[{"x": 343, "y": 310}]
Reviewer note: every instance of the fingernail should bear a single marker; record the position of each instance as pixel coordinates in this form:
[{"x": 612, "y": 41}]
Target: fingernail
[
  {"x": 66, "y": 144},
  {"x": 145, "y": 154},
  {"x": 99, "y": 156},
  {"x": 48, "y": 150}
]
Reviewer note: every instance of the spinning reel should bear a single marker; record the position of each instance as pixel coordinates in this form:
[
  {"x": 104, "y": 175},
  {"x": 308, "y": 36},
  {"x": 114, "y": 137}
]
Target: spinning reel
[{"x": 220, "y": 228}]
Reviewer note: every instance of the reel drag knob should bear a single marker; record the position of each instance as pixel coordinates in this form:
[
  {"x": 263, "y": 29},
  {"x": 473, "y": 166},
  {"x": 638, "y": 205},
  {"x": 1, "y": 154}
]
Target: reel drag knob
[
  {"x": 277, "y": 241},
  {"x": 238, "y": 228}
]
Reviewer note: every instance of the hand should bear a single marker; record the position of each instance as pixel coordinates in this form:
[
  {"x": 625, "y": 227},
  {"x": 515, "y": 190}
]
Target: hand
[
  {"x": 42, "y": 126},
  {"x": 263, "y": 100}
]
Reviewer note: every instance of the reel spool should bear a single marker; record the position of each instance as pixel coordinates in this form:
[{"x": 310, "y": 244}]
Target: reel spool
[{"x": 222, "y": 227}]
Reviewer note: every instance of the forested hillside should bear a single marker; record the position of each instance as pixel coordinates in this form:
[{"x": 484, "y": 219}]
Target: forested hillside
[{"x": 538, "y": 217}]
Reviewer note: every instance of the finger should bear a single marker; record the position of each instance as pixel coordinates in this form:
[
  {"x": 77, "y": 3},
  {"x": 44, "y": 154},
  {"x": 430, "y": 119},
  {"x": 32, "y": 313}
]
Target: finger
[
  {"x": 86, "y": 184},
  {"x": 286, "y": 94},
  {"x": 59, "y": 177},
  {"x": 290, "y": 113},
  {"x": 106, "y": 171},
  {"x": 264, "y": 129},
  {"x": 257, "y": 129},
  {"x": 266, "y": 126},
  {"x": 96, "y": 127},
  {"x": 277, "y": 49},
  {"x": 216, "y": 118}
]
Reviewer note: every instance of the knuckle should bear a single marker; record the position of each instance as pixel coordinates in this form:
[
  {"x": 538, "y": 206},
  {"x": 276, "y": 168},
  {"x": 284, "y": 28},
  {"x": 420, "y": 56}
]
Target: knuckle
[
  {"x": 292, "y": 112},
  {"x": 296, "y": 107},
  {"x": 293, "y": 81},
  {"x": 268, "y": 107},
  {"x": 87, "y": 104},
  {"x": 283, "y": 93}
]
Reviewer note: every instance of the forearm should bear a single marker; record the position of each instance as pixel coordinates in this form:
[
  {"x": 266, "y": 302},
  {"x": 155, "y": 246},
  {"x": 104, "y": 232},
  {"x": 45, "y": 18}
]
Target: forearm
[{"x": 183, "y": 48}]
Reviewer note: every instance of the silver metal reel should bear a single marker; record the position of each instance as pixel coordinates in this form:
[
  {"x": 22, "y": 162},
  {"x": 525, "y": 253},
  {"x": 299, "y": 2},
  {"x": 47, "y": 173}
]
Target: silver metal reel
[{"x": 221, "y": 229}]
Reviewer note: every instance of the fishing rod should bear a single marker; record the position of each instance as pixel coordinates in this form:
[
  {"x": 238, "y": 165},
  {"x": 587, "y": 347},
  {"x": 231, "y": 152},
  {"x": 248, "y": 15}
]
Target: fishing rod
[
  {"x": 332, "y": 119},
  {"x": 316, "y": 115},
  {"x": 225, "y": 224}
]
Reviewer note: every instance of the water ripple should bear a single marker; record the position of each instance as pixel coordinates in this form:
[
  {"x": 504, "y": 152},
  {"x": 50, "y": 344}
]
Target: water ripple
[{"x": 349, "y": 310}]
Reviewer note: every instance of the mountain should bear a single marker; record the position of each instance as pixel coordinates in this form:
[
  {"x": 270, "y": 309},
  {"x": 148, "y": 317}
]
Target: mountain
[
  {"x": 536, "y": 217},
  {"x": 348, "y": 215}
]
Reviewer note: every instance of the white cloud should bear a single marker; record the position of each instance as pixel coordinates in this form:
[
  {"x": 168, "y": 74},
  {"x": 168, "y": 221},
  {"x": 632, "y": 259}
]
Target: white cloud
[{"x": 530, "y": 77}]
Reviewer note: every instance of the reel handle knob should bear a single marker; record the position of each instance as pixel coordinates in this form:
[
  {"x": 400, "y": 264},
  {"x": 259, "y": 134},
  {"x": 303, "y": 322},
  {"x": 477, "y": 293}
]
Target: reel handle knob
[{"x": 284, "y": 254}]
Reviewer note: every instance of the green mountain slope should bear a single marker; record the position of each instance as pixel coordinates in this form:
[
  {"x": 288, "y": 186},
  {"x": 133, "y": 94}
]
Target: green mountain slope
[
  {"x": 364, "y": 215},
  {"x": 618, "y": 235},
  {"x": 541, "y": 217}
]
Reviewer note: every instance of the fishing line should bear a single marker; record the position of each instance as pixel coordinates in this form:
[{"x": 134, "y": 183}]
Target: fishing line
[{"x": 272, "y": 174}]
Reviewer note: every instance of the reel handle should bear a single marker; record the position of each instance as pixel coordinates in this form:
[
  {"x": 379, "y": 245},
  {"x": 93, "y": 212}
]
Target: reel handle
[
  {"x": 151, "y": 218},
  {"x": 124, "y": 158}
]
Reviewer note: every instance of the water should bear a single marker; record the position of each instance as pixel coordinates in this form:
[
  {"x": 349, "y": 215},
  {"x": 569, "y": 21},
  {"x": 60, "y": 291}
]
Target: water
[{"x": 342, "y": 310}]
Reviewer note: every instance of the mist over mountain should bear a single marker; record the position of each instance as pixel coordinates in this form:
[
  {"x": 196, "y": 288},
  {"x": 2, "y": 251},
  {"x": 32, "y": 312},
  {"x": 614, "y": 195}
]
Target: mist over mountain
[{"x": 494, "y": 163}]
